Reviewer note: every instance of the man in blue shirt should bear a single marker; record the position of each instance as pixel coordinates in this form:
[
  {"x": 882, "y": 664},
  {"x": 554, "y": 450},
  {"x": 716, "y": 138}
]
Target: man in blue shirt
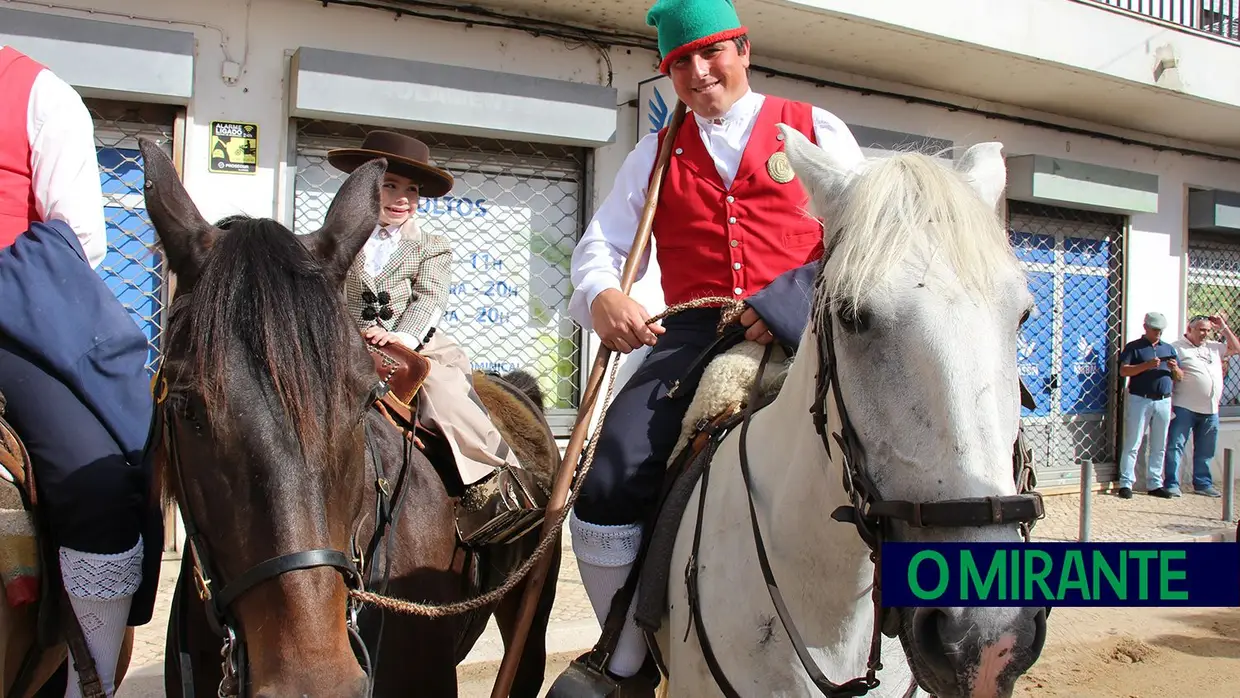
[{"x": 1150, "y": 365}]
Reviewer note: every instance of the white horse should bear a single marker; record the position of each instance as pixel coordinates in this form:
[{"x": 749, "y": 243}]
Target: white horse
[{"x": 924, "y": 301}]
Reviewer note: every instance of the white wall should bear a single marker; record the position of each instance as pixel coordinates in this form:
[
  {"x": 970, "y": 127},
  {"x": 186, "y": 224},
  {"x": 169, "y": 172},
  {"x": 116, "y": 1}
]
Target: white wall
[{"x": 261, "y": 34}]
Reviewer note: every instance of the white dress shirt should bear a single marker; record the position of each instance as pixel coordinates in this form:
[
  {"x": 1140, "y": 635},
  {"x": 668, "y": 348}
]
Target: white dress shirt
[
  {"x": 64, "y": 163},
  {"x": 379, "y": 248},
  {"x": 1201, "y": 390},
  {"x": 598, "y": 259}
]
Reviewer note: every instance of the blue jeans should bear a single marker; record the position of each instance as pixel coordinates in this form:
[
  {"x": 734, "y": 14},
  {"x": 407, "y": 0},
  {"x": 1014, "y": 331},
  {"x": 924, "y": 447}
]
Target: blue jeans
[
  {"x": 1140, "y": 412},
  {"x": 1205, "y": 437}
]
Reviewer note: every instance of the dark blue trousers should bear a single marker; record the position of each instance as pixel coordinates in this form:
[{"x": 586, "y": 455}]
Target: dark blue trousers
[
  {"x": 642, "y": 424},
  {"x": 72, "y": 372},
  {"x": 93, "y": 496}
]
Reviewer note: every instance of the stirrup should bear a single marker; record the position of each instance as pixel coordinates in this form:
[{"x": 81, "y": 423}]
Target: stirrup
[{"x": 508, "y": 511}]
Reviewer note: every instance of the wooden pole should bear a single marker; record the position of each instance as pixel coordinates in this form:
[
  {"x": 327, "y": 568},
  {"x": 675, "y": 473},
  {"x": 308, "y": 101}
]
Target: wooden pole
[{"x": 568, "y": 466}]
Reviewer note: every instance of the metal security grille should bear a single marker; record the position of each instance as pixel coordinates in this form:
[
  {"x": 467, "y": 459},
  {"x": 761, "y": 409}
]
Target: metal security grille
[
  {"x": 513, "y": 218},
  {"x": 134, "y": 266},
  {"x": 1214, "y": 287},
  {"x": 1068, "y": 347}
]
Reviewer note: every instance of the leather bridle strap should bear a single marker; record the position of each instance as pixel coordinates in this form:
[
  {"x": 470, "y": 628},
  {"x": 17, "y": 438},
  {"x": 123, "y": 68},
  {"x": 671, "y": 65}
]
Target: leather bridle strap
[
  {"x": 850, "y": 689},
  {"x": 281, "y": 564}
]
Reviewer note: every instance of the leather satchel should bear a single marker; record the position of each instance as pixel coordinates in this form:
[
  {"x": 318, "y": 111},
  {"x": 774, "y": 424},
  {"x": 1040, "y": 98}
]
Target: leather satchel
[{"x": 403, "y": 369}]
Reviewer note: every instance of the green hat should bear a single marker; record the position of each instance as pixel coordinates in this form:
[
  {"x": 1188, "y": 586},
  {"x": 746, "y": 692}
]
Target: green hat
[{"x": 686, "y": 26}]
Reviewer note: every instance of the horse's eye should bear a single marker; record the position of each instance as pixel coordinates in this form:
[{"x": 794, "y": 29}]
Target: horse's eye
[
  {"x": 854, "y": 319},
  {"x": 1025, "y": 318}
]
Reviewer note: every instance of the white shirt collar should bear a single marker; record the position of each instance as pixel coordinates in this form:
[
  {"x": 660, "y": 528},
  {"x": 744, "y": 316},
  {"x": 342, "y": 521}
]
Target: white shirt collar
[
  {"x": 741, "y": 110},
  {"x": 385, "y": 232}
]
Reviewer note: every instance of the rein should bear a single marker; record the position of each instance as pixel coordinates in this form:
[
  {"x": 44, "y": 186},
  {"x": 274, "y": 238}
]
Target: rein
[{"x": 872, "y": 515}]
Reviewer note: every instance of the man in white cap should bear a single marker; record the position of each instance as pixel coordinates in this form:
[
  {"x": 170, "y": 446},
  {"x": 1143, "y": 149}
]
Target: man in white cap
[{"x": 1150, "y": 365}]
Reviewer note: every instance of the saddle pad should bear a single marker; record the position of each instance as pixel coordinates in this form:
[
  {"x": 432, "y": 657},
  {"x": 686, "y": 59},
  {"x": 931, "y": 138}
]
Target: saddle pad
[
  {"x": 403, "y": 369},
  {"x": 19, "y": 548}
]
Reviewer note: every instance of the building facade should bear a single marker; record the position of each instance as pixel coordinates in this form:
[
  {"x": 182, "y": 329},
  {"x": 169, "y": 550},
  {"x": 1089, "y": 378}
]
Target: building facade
[{"x": 1122, "y": 152}]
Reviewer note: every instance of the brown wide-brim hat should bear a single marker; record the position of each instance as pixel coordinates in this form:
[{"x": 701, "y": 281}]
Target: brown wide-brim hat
[{"x": 406, "y": 156}]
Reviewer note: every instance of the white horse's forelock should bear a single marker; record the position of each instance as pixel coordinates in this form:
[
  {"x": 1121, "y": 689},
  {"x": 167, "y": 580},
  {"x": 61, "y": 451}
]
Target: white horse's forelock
[{"x": 885, "y": 205}]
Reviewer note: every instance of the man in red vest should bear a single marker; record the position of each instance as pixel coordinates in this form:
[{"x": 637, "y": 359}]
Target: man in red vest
[
  {"x": 72, "y": 363},
  {"x": 730, "y": 222}
]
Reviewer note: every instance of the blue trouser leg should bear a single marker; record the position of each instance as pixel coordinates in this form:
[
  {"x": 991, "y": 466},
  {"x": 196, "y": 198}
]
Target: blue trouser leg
[
  {"x": 1182, "y": 421},
  {"x": 92, "y": 496},
  {"x": 1160, "y": 420},
  {"x": 642, "y": 425},
  {"x": 1136, "y": 417},
  {"x": 1205, "y": 439}
]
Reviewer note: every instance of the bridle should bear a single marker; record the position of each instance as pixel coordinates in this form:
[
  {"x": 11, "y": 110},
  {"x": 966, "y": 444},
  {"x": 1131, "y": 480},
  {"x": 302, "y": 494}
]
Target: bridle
[
  {"x": 219, "y": 600},
  {"x": 872, "y": 515}
]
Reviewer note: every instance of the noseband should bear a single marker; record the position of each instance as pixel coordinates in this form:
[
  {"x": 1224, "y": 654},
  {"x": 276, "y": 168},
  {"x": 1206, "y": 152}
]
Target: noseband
[
  {"x": 218, "y": 602},
  {"x": 872, "y": 515}
]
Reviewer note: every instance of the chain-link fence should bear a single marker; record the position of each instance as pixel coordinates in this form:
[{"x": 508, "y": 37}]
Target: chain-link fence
[
  {"x": 1214, "y": 287},
  {"x": 1068, "y": 347},
  {"x": 512, "y": 217},
  {"x": 134, "y": 266}
]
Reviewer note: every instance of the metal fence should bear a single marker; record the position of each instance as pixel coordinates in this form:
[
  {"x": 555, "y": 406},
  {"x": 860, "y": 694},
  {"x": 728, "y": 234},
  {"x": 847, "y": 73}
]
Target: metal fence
[
  {"x": 1214, "y": 17},
  {"x": 513, "y": 218},
  {"x": 1213, "y": 287},
  {"x": 134, "y": 266},
  {"x": 1069, "y": 346}
]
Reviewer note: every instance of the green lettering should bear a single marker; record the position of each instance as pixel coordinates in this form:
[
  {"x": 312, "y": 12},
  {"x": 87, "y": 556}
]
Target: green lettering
[
  {"x": 1037, "y": 577},
  {"x": 1166, "y": 575},
  {"x": 1015, "y": 575},
  {"x": 1074, "y": 565},
  {"x": 916, "y": 587},
  {"x": 1103, "y": 568},
  {"x": 970, "y": 576},
  {"x": 1143, "y": 571}
]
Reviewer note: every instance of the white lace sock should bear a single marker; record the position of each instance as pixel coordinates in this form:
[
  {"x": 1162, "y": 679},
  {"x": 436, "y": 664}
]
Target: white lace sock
[
  {"x": 605, "y": 554},
  {"x": 101, "y": 589}
]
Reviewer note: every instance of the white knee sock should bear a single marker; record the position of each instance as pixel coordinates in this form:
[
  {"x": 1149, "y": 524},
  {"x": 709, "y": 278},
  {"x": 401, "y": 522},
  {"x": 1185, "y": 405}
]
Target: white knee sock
[
  {"x": 101, "y": 589},
  {"x": 605, "y": 555}
]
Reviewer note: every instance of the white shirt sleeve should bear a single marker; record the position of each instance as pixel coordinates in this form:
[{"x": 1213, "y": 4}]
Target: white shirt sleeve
[
  {"x": 598, "y": 259},
  {"x": 832, "y": 132},
  {"x": 64, "y": 164}
]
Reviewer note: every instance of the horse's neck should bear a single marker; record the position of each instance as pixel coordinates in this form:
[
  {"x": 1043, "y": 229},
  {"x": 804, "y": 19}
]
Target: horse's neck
[{"x": 822, "y": 566}]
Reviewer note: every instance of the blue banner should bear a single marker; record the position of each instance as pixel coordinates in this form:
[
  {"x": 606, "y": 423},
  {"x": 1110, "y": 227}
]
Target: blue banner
[
  {"x": 1060, "y": 574},
  {"x": 1084, "y": 369},
  {"x": 1035, "y": 350}
]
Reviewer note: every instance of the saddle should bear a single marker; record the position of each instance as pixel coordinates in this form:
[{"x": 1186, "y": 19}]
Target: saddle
[{"x": 498, "y": 510}]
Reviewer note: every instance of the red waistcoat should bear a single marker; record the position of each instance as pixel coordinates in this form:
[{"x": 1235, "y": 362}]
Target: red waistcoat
[
  {"x": 17, "y": 204},
  {"x": 717, "y": 241}
]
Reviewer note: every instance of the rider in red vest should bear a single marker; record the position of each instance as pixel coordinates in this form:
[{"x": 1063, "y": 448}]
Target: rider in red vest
[
  {"x": 730, "y": 222},
  {"x": 72, "y": 362}
]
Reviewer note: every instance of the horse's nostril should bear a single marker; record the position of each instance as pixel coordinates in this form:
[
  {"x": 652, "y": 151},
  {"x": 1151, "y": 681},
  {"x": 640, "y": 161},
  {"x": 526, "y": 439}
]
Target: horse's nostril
[{"x": 928, "y": 627}]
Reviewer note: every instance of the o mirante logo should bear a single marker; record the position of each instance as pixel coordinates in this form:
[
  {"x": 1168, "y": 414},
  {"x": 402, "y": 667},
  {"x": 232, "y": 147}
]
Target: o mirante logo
[{"x": 1061, "y": 574}]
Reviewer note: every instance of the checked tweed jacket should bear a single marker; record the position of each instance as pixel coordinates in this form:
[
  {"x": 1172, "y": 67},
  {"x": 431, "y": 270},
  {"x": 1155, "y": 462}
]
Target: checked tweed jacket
[{"x": 416, "y": 277}]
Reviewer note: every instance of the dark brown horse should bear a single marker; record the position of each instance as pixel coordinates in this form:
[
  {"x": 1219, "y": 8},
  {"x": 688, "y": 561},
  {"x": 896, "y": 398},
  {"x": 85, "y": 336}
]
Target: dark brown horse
[{"x": 276, "y": 455}]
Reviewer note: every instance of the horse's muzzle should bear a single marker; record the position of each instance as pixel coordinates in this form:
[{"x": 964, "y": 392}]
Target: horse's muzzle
[{"x": 969, "y": 652}]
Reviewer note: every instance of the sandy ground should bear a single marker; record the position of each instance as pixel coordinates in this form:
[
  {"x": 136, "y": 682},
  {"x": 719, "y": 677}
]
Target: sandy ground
[{"x": 1120, "y": 653}]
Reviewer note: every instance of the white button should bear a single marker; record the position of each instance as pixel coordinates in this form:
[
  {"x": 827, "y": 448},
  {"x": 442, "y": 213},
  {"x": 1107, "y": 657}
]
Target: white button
[
  {"x": 731, "y": 199},
  {"x": 736, "y": 265},
  {"x": 732, "y": 219},
  {"x": 735, "y": 243},
  {"x": 679, "y": 151},
  {"x": 738, "y": 291}
]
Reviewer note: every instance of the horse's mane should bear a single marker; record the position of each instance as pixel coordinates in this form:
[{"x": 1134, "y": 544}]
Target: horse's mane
[
  {"x": 888, "y": 205},
  {"x": 263, "y": 305}
]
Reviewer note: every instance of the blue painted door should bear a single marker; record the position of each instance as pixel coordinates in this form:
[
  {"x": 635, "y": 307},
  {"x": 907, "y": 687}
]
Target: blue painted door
[{"x": 1064, "y": 348}]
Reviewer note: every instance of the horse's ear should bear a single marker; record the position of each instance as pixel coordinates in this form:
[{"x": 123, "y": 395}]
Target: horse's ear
[
  {"x": 350, "y": 220},
  {"x": 823, "y": 171},
  {"x": 185, "y": 235},
  {"x": 984, "y": 167}
]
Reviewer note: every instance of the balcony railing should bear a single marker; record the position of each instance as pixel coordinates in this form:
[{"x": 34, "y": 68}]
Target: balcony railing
[{"x": 1216, "y": 18}]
